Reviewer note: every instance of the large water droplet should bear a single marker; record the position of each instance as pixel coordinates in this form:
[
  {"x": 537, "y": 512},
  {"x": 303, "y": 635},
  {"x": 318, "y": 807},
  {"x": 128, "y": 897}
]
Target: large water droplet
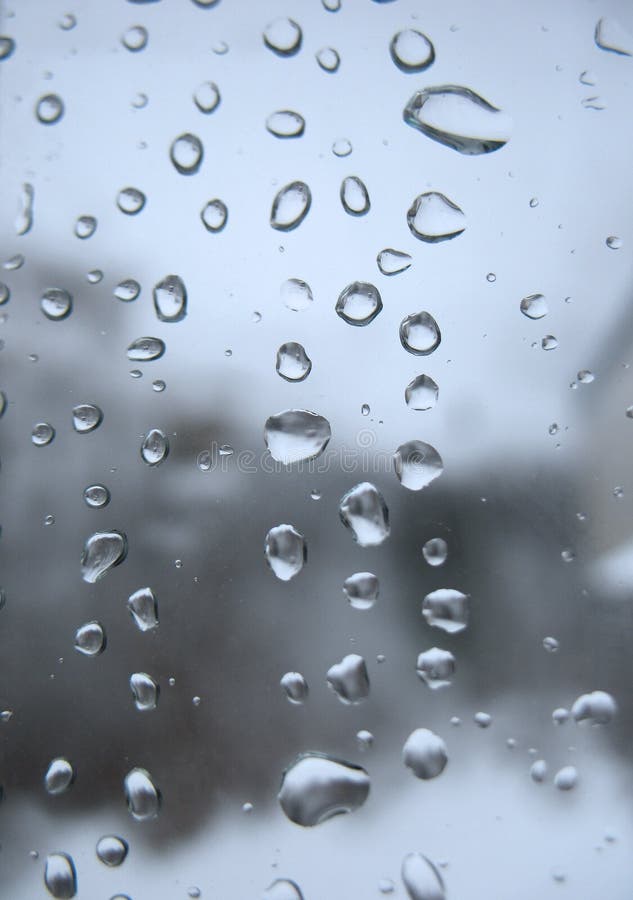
[
  {"x": 436, "y": 667},
  {"x": 316, "y": 787},
  {"x": 145, "y": 691},
  {"x": 435, "y": 551},
  {"x": 459, "y": 118},
  {"x": 143, "y": 608},
  {"x": 130, "y": 201},
  {"x": 392, "y": 262},
  {"x": 186, "y": 153},
  {"x": 102, "y": 551},
  {"x": 417, "y": 464},
  {"x": 283, "y": 36},
  {"x": 290, "y": 206},
  {"x": 142, "y": 796},
  {"x": 424, "y": 752},
  {"x": 411, "y": 51},
  {"x": 127, "y": 290},
  {"x": 145, "y": 349},
  {"x": 421, "y": 879},
  {"x": 446, "y": 609},
  {"x": 293, "y": 363},
  {"x": 354, "y": 196},
  {"x": 566, "y": 778},
  {"x": 135, "y": 38},
  {"x": 285, "y": 551},
  {"x": 420, "y": 334},
  {"x": 24, "y": 220},
  {"x": 363, "y": 510},
  {"x": 610, "y": 35},
  {"x": 285, "y": 124},
  {"x": 49, "y": 109},
  {"x": 282, "y": 889},
  {"x": 59, "y": 776},
  {"x": 296, "y": 434},
  {"x": 86, "y": 417},
  {"x": 598, "y": 708},
  {"x": 207, "y": 97},
  {"x": 328, "y": 59},
  {"x": 361, "y": 589},
  {"x": 359, "y": 303},
  {"x": 170, "y": 299},
  {"x": 432, "y": 217},
  {"x": 421, "y": 393},
  {"x": 90, "y": 639},
  {"x": 56, "y": 304},
  {"x": 534, "y": 306},
  {"x": 111, "y": 850},
  {"x": 214, "y": 215},
  {"x": 42, "y": 434},
  {"x": 60, "y": 876},
  {"x": 295, "y": 687}
]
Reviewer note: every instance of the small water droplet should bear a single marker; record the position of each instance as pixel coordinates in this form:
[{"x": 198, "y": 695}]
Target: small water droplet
[
  {"x": 56, "y": 304},
  {"x": 60, "y": 876},
  {"x": 538, "y": 771},
  {"x": 361, "y": 589},
  {"x": 295, "y": 687},
  {"x": 365, "y": 409},
  {"x": 342, "y": 148},
  {"x": 421, "y": 879},
  {"x": 549, "y": 342},
  {"x": 417, "y": 464},
  {"x": 316, "y": 787},
  {"x": 145, "y": 349},
  {"x": 142, "y": 796},
  {"x": 597, "y": 708},
  {"x": 194, "y": 892},
  {"x": 214, "y": 215},
  {"x": 392, "y": 262},
  {"x": 90, "y": 639},
  {"x": 282, "y": 889},
  {"x": 560, "y": 715},
  {"x": 328, "y": 59},
  {"x": 482, "y": 719},
  {"x": 49, "y": 109},
  {"x": 421, "y": 393},
  {"x": 5, "y": 293},
  {"x": 446, "y": 609},
  {"x": 59, "y": 776},
  {"x": 42, "y": 434},
  {"x": 435, "y": 551},
  {"x": 85, "y": 227},
  {"x": 7, "y": 46},
  {"x": 170, "y": 299},
  {"x": 285, "y": 551},
  {"x": 566, "y": 778},
  {"x": 140, "y": 101},
  {"x": 283, "y": 36},
  {"x": 613, "y": 242},
  {"x": 411, "y": 51},
  {"x": 135, "y": 38},
  {"x": 359, "y": 303},
  {"x": 186, "y": 153},
  {"x": 293, "y": 363},
  {"x": 49, "y": 520},
  {"x": 290, "y": 206},
  {"x": 354, "y": 196},
  {"x": 295, "y": 435},
  {"x": 349, "y": 679},
  {"x": 491, "y": 277},
  {"x": 127, "y": 290},
  {"x": 296, "y": 294},
  {"x": 207, "y": 97},
  {"x": 432, "y": 217},
  {"x": 130, "y": 201},
  {"x": 436, "y": 667},
  {"x": 534, "y": 306},
  {"x": 363, "y": 510},
  {"x": 94, "y": 276},
  {"x": 143, "y": 608},
  {"x": 111, "y": 850},
  {"x": 24, "y": 220},
  {"x": 610, "y": 35},
  {"x": 67, "y": 22},
  {"x": 285, "y": 124},
  {"x": 365, "y": 740},
  {"x": 425, "y": 753},
  {"x": 14, "y": 262},
  {"x": 102, "y": 551},
  {"x": 145, "y": 691},
  {"x": 86, "y": 417},
  {"x": 386, "y": 886}
]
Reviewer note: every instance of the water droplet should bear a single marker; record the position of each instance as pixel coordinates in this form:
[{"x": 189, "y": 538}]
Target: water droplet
[
  {"x": 282, "y": 889},
  {"x": 459, "y": 118},
  {"x": 328, "y": 59},
  {"x": 130, "y": 201},
  {"x": 587, "y": 77},
  {"x": 363, "y": 510},
  {"x": 560, "y": 715},
  {"x": 24, "y": 220},
  {"x": 365, "y": 409},
  {"x": 354, "y": 196},
  {"x": 186, "y": 153},
  {"x": 549, "y": 342},
  {"x": 417, "y": 464},
  {"x": 158, "y": 386},
  {"x": 56, "y": 304},
  {"x": 610, "y": 35},
  {"x": 49, "y": 109},
  {"x": 613, "y": 242},
  {"x": 286, "y": 551},
  {"x": 94, "y": 276},
  {"x": 295, "y": 687},
  {"x": 296, "y": 434},
  {"x": 316, "y": 787},
  {"x": 538, "y": 771},
  {"x": 42, "y": 434},
  {"x": 568, "y": 555},
  {"x": 194, "y": 892},
  {"x": 67, "y": 22},
  {"x": 435, "y": 551},
  {"x": 392, "y": 262},
  {"x": 365, "y": 740},
  {"x": 290, "y": 206},
  {"x": 342, "y": 148},
  {"x": 127, "y": 290},
  {"x": 86, "y": 417},
  {"x": 421, "y": 879},
  {"x": 566, "y": 778},
  {"x": 446, "y": 609},
  {"x": 207, "y": 97},
  {"x": 145, "y": 349},
  {"x": 5, "y": 293},
  {"x": 598, "y": 708},
  {"x": 170, "y": 299},
  {"x": 283, "y": 36},
  {"x": 424, "y": 752},
  {"x": 49, "y": 520},
  {"x": 7, "y": 46},
  {"x": 141, "y": 794},
  {"x": 293, "y": 363},
  {"x": 145, "y": 691},
  {"x": 432, "y": 217},
  {"x": 411, "y": 51},
  {"x": 436, "y": 667},
  {"x": 60, "y": 876},
  {"x": 111, "y": 850},
  {"x": 85, "y": 227},
  {"x": 482, "y": 719},
  {"x": 386, "y": 886},
  {"x": 59, "y": 776},
  {"x": 296, "y": 294},
  {"x": 102, "y": 551},
  {"x": 361, "y": 589},
  {"x": 135, "y": 38},
  {"x": 3, "y": 403},
  {"x": 349, "y": 679},
  {"x": 90, "y": 639},
  {"x": 534, "y": 306},
  {"x": 422, "y": 392},
  {"x": 14, "y": 262},
  {"x": 143, "y": 608},
  {"x": 359, "y": 303},
  {"x": 214, "y": 215},
  {"x": 285, "y": 124}
]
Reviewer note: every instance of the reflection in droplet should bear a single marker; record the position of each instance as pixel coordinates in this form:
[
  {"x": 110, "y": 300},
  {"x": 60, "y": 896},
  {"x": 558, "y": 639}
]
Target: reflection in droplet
[
  {"x": 285, "y": 124},
  {"x": 85, "y": 227},
  {"x": 170, "y": 299},
  {"x": 295, "y": 687},
  {"x": 392, "y": 262},
  {"x": 141, "y": 794},
  {"x": 349, "y": 679},
  {"x": 111, "y": 850},
  {"x": 145, "y": 349},
  {"x": 359, "y": 303},
  {"x": 90, "y": 639},
  {"x": 361, "y": 589},
  {"x": 417, "y": 464},
  {"x": 186, "y": 153},
  {"x": 435, "y": 551},
  {"x": 283, "y": 36},
  {"x": 598, "y": 708},
  {"x": 60, "y": 876},
  {"x": 293, "y": 363},
  {"x": 459, "y": 118},
  {"x": 49, "y": 109},
  {"x": 135, "y": 38},
  {"x": 436, "y": 667},
  {"x": 534, "y": 306},
  {"x": 86, "y": 417},
  {"x": 446, "y": 609},
  {"x": 425, "y": 753},
  {"x": 127, "y": 290},
  {"x": 42, "y": 434},
  {"x": 411, "y": 51},
  {"x": 432, "y": 217},
  {"x": 363, "y": 510},
  {"x": 143, "y": 608},
  {"x": 420, "y": 334},
  {"x": 102, "y": 551},
  {"x": 316, "y": 787},
  {"x": 421, "y": 879},
  {"x": 130, "y": 201},
  {"x": 286, "y": 551},
  {"x": 56, "y": 304},
  {"x": 207, "y": 97},
  {"x": 566, "y": 778},
  {"x": 290, "y": 206},
  {"x": 610, "y": 35},
  {"x": 24, "y": 220},
  {"x": 421, "y": 393},
  {"x": 328, "y": 59},
  {"x": 296, "y": 294},
  {"x": 214, "y": 215},
  {"x": 59, "y": 776},
  {"x": 296, "y": 434},
  {"x": 354, "y": 196},
  {"x": 145, "y": 691}
]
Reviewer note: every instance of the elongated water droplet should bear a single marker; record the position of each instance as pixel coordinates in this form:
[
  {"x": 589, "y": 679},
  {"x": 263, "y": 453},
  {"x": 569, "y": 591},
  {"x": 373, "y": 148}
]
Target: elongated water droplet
[
  {"x": 102, "y": 551},
  {"x": 420, "y": 334},
  {"x": 135, "y": 38},
  {"x": 285, "y": 124},
  {"x": 598, "y": 708},
  {"x": 282, "y": 889},
  {"x": 328, "y": 59},
  {"x": 293, "y": 363},
  {"x": 363, "y": 510},
  {"x": 446, "y": 609},
  {"x": 425, "y": 753},
  {"x": 7, "y": 46},
  {"x": 392, "y": 262},
  {"x": 145, "y": 691},
  {"x": 42, "y": 434},
  {"x": 295, "y": 687},
  {"x": 59, "y": 776},
  {"x": 141, "y": 794},
  {"x": 130, "y": 201},
  {"x": 459, "y": 118},
  {"x": 127, "y": 290},
  {"x": 90, "y": 639},
  {"x": 421, "y": 879},
  {"x": 283, "y": 36},
  {"x": 417, "y": 464},
  {"x": 56, "y": 304},
  {"x": 436, "y": 667},
  {"x": 534, "y": 306},
  {"x": 296, "y": 434},
  {"x": 435, "y": 551},
  {"x": 359, "y": 303},
  {"x": 296, "y": 294},
  {"x": 316, "y": 787},
  {"x": 361, "y": 589},
  {"x": 207, "y": 97},
  {"x": 286, "y": 551},
  {"x": 214, "y": 215},
  {"x": 421, "y": 393},
  {"x": 354, "y": 196},
  {"x": 566, "y": 778},
  {"x": 432, "y": 217},
  {"x": 538, "y": 771},
  {"x": 85, "y": 227},
  {"x": 111, "y": 850},
  {"x": 186, "y": 153},
  {"x": 86, "y": 417},
  {"x": 49, "y": 109},
  {"x": 411, "y": 51},
  {"x": 143, "y": 608},
  {"x": 349, "y": 679},
  {"x": 610, "y": 35},
  {"x": 24, "y": 220},
  {"x": 60, "y": 876},
  {"x": 145, "y": 349},
  {"x": 290, "y": 206},
  {"x": 170, "y": 299}
]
